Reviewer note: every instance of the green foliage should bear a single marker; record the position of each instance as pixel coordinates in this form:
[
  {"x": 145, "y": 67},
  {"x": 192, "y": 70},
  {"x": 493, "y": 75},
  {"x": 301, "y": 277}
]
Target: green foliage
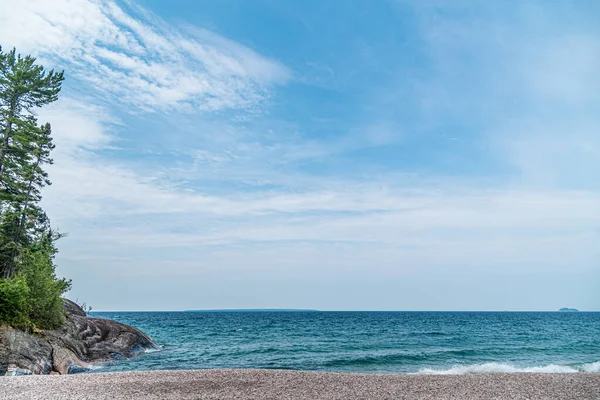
[
  {"x": 26, "y": 84},
  {"x": 14, "y": 295},
  {"x": 32, "y": 298},
  {"x": 45, "y": 306},
  {"x": 30, "y": 292}
]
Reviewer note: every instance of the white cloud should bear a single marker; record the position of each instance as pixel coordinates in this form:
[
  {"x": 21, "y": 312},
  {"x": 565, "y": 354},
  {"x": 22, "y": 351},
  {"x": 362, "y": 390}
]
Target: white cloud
[
  {"x": 79, "y": 125},
  {"x": 137, "y": 59},
  {"x": 92, "y": 189}
]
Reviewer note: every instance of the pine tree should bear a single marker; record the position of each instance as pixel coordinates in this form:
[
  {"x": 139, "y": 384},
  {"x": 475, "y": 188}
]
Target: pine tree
[
  {"x": 24, "y": 86},
  {"x": 30, "y": 292}
]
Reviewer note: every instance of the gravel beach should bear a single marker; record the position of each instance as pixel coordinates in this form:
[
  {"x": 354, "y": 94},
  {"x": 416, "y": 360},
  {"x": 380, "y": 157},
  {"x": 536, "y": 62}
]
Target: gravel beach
[{"x": 271, "y": 384}]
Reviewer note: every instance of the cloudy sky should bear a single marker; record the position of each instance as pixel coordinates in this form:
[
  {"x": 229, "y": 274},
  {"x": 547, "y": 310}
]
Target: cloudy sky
[{"x": 344, "y": 155}]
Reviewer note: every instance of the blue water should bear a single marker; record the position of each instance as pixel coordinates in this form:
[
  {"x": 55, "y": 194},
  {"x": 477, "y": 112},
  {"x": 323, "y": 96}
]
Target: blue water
[{"x": 373, "y": 342}]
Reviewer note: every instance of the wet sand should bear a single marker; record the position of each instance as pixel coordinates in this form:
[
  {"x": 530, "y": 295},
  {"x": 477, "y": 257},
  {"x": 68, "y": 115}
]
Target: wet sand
[{"x": 282, "y": 385}]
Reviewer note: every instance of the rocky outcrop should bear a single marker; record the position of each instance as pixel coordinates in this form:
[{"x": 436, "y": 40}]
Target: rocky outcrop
[
  {"x": 24, "y": 354},
  {"x": 72, "y": 348}
]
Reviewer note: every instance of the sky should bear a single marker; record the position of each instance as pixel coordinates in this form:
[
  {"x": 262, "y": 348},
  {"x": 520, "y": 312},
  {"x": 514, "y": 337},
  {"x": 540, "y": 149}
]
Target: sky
[{"x": 333, "y": 155}]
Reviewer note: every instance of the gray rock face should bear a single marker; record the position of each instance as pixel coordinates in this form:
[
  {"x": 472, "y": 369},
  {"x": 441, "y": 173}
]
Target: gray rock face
[
  {"x": 73, "y": 309},
  {"x": 95, "y": 339},
  {"x": 24, "y": 354},
  {"x": 71, "y": 348}
]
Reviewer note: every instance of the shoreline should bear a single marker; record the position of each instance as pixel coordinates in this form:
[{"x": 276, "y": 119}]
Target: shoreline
[{"x": 287, "y": 384}]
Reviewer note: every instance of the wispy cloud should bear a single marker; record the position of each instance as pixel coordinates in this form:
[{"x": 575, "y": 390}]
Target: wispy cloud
[{"x": 136, "y": 58}]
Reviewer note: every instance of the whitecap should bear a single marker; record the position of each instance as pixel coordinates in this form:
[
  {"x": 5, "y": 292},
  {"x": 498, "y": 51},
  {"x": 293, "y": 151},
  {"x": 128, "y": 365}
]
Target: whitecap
[
  {"x": 153, "y": 349},
  {"x": 494, "y": 368},
  {"x": 591, "y": 367}
]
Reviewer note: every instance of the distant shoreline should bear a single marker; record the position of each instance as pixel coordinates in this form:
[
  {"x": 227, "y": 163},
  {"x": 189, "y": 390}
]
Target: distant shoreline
[
  {"x": 280, "y": 384},
  {"x": 256, "y": 310}
]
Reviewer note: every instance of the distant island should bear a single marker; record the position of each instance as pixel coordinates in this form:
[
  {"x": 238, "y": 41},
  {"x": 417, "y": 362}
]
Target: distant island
[
  {"x": 568, "y": 310},
  {"x": 255, "y": 310}
]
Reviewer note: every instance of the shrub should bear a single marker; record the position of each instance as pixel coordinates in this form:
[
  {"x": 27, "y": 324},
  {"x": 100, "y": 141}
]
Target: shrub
[
  {"x": 45, "y": 305},
  {"x": 14, "y": 295},
  {"x": 32, "y": 299}
]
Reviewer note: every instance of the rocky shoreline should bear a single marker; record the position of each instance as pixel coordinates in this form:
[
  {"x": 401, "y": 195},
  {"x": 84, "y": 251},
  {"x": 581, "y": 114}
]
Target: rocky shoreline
[{"x": 80, "y": 342}]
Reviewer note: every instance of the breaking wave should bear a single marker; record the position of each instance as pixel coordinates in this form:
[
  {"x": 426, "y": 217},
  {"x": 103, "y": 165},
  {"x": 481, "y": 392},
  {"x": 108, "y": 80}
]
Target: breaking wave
[
  {"x": 158, "y": 347},
  {"x": 500, "y": 368}
]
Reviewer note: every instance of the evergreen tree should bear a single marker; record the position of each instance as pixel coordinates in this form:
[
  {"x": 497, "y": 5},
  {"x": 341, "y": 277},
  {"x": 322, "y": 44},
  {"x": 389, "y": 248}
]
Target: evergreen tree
[
  {"x": 30, "y": 292},
  {"x": 24, "y": 85}
]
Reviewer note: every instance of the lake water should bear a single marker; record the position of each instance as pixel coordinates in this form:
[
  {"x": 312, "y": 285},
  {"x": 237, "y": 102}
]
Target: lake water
[{"x": 372, "y": 342}]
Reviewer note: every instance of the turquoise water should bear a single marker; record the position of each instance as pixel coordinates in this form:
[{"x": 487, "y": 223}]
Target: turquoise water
[{"x": 373, "y": 342}]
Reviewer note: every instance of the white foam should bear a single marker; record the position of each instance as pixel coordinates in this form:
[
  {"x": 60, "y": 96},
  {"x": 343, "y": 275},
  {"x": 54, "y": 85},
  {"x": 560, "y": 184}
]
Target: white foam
[
  {"x": 495, "y": 368},
  {"x": 591, "y": 367},
  {"x": 153, "y": 350}
]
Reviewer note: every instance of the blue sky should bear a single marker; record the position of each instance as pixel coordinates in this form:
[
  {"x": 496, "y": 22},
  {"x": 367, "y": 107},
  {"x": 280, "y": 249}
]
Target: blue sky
[{"x": 386, "y": 155}]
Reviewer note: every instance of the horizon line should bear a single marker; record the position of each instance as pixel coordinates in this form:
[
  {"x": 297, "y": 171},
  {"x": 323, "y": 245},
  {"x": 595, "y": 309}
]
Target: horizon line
[{"x": 318, "y": 310}]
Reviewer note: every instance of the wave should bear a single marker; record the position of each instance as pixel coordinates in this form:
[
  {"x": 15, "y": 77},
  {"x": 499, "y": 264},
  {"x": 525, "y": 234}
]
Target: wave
[
  {"x": 591, "y": 367},
  {"x": 496, "y": 368},
  {"x": 159, "y": 347}
]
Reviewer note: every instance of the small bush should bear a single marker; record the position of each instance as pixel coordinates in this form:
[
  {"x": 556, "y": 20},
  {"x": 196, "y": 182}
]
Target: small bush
[{"x": 14, "y": 296}]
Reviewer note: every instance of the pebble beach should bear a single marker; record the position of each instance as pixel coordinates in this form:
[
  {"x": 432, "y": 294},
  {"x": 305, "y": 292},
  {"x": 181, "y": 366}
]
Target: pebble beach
[{"x": 282, "y": 385}]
